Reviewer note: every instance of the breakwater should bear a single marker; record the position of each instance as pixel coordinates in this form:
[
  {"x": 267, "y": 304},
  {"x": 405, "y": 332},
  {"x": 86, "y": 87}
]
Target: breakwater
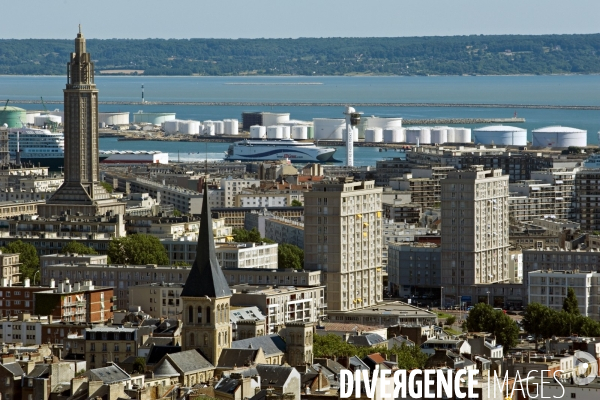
[
  {"x": 462, "y": 121},
  {"x": 311, "y": 104}
]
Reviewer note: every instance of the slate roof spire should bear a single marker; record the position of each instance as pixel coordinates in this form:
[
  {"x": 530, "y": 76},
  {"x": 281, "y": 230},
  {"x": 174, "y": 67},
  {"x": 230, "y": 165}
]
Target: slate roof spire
[{"x": 206, "y": 277}]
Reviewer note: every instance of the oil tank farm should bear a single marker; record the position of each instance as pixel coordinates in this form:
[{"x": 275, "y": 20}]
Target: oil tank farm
[
  {"x": 394, "y": 135},
  {"x": 154, "y": 118},
  {"x": 12, "y": 116},
  {"x": 502, "y": 135},
  {"x": 300, "y": 132},
  {"x": 378, "y": 122},
  {"x": 559, "y": 136},
  {"x": 329, "y": 128},
  {"x": 231, "y": 126},
  {"x": 113, "y": 118},
  {"x": 269, "y": 118},
  {"x": 258, "y": 132},
  {"x": 373, "y": 135},
  {"x": 439, "y": 135},
  {"x": 459, "y": 135}
]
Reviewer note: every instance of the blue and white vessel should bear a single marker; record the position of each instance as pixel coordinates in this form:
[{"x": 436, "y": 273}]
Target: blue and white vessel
[{"x": 277, "y": 149}]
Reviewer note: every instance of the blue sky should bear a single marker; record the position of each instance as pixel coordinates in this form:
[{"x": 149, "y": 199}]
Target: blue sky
[{"x": 291, "y": 19}]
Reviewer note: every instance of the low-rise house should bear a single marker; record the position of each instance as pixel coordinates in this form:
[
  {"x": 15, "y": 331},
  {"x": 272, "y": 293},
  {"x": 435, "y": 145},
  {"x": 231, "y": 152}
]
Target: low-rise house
[
  {"x": 190, "y": 366},
  {"x": 231, "y": 359},
  {"x": 10, "y": 380},
  {"x": 457, "y": 345},
  {"x": 283, "y": 380},
  {"x": 273, "y": 347},
  {"x": 450, "y": 359}
]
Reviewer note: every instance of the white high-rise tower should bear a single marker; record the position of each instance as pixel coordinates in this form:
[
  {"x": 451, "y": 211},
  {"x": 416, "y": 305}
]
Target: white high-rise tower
[{"x": 352, "y": 120}]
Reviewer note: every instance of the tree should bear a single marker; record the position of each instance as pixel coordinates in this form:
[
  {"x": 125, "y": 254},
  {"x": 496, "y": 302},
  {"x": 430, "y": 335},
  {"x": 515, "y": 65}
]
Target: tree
[
  {"x": 296, "y": 203},
  {"x": 28, "y": 257},
  {"x": 107, "y": 186},
  {"x": 483, "y": 318},
  {"x": 176, "y": 213},
  {"x": 245, "y": 236},
  {"x": 77, "y": 248},
  {"x": 450, "y": 320},
  {"x": 137, "y": 249},
  {"x": 290, "y": 256},
  {"x": 139, "y": 365},
  {"x": 535, "y": 319},
  {"x": 570, "y": 304}
]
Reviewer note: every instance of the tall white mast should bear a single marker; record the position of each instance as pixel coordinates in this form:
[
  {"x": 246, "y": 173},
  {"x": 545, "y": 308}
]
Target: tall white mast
[{"x": 352, "y": 120}]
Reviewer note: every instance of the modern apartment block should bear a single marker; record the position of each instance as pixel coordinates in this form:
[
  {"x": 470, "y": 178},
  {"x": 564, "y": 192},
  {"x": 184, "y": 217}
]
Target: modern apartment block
[
  {"x": 235, "y": 216},
  {"x": 262, "y": 276},
  {"x": 474, "y": 229},
  {"x": 158, "y": 299},
  {"x": 413, "y": 267},
  {"x": 587, "y": 199},
  {"x": 10, "y": 273},
  {"x": 557, "y": 259},
  {"x": 342, "y": 227},
  {"x": 278, "y": 229},
  {"x": 549, "y": 288},
  {"x": 247, "y": 255}
]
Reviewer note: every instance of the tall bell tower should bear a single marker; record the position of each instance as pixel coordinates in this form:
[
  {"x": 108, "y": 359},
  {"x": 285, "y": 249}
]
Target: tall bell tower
[
  {"x": 81, "y": 190},
  {"x": 206, "y": 297}
]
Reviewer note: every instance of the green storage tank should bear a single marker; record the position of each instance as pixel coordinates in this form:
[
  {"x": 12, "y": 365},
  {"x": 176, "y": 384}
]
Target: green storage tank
[
  {"x": 12, "y": 116},
  {"x": 310, "y": 132}
]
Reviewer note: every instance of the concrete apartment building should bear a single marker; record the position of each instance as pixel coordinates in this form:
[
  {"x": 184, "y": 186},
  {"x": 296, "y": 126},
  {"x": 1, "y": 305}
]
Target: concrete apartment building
[
  {"x": 119, "y": 277},
  {"x": 91, "y": 259},
  {"x": 235, "y": 216},
  {"x": 342, "y": 227},
  {"x": 225, "y": 196},
  {"x": 278, "y": 229},
  {"x": 587, "y": 199},
  {"x": 263, "y": 276},
  {"x": 413, "y": 267},
  {"x": 247, "y": 255},
  {"x": 474, "y": 231},
  {"x": 158, "y": 299},
  {"x": 10, "y": 209},
  {"x": 282, "y": 304},
  {"x": 77, "y": 302},
  {"x": 549, "y": 288},
  {"x": 396, "y": 233},
  {"x": 104, "y": 344},
  {"x": 15, "y": 300},
  {"x": 399, "y": 211},
  {"x": 10, "y": 273},
  {"x": 557, "y": 259}
]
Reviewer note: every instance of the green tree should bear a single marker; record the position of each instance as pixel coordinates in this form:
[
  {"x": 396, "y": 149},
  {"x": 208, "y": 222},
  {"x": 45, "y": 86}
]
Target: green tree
[
  {"x": 77, "y": 248},
  {"x": 450, "y": 320},
  {"x": 536, "y": 319},
  {"x": 137, "y": 249},
  {"x": 296, "y": 203},
  {"x": 176, "y": 213},
  {"x": 290, "y": 256},
  {"x": 181, "y": 264},
  {"x": 245, "y": 236},
  {"x": 139, "y": 365},
  {"x": 570, "y": 304},
  {"x": 483, "y": 318},
  {"x": 28, "y": 257},
  {"x": 107, "y": 186}
]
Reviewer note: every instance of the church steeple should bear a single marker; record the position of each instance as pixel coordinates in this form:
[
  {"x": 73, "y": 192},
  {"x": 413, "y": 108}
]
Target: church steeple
[{"x": 206, "y": 277}]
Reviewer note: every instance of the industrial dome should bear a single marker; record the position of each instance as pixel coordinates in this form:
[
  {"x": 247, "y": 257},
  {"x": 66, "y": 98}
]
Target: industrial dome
[
  {"x": 559, "y": 136},
  {"x": 503, "y": 135}
]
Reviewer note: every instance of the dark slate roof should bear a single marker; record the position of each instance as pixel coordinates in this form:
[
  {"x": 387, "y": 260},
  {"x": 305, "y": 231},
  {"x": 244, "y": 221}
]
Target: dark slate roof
[
  {"x": 368, "y": 340},
  {"x": 236, "y": 357},
  {"x": 227, "y": 385},
  {"x": 40, "y": 370},
  {"x": 206, "y": 277},
  {"x": 356, "y": 364},
  {"x": 273, "y": 375},
  {"x": 190, "y": 360},
  {"x": 156, "y": 353},
  {"x": 165, "y": 369},
  {"x": 271, "y": 345},
  {"x": 260, "y": 395},
  {"x": 331, "y": 365},
  {"x": 157, "y": 341},
  {"x": 110, "y": 374},
  {"x": 14, "y": 368}
]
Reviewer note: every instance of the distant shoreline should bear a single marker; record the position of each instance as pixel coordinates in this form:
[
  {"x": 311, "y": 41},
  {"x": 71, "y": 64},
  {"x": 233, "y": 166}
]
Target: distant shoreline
[{"x": 300, "y": 76}]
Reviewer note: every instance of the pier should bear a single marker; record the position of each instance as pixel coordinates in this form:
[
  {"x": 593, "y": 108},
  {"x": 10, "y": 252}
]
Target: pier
[{"x": 293, "y": 104}]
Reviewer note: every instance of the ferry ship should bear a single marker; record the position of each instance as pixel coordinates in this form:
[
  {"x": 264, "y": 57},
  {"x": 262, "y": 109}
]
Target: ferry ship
[
  {"x": 37, "y": 147},
  {"x": 592, "y": 162},
  {"x": 277, "y": 149}
]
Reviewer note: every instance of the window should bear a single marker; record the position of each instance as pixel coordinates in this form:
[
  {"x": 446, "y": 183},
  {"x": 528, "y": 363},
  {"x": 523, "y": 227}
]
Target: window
[
  {"x": 208, "y": 315},
  {"x": 199, "y": 314}
]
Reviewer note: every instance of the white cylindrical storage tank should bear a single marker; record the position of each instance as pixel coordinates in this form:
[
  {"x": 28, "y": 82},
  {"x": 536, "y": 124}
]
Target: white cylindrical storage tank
[
  {"x": 462, "y": 135},
  {"x": 450, "y": 135},
  {"x": 502, "y": 135},
  {"x": 114, "y": 118},
  {"x": 329, "y": 128},
  {"x": 300, "y": 132},
  {"x": 412, "y": 134},
  {"x": 394, "y": 135},
  {"x": 285, "y": 132},
  {"x": 219, "y": 127},
  {"x": 152, "y": 118},
  {"x": 42, "y": 120},
  {"x": 274, "y": 132},
  {"x": 274, "y": 118},
  {"x": 559, "y": 136},
  {"x": 235, "y": 127},
  {"x": 425, "y": 136},
  {"x": 209, "y": 129},
  {"x": 374, "y": 135},
  {"x": 258, "y": 132},
  {"x": 439, "y": 135},
  {"x": 189, "y": 127},
  {"x": 30, "y": 117},
  {"x": 231, "y": 126},
  {"x": 172, "y": 126}
]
